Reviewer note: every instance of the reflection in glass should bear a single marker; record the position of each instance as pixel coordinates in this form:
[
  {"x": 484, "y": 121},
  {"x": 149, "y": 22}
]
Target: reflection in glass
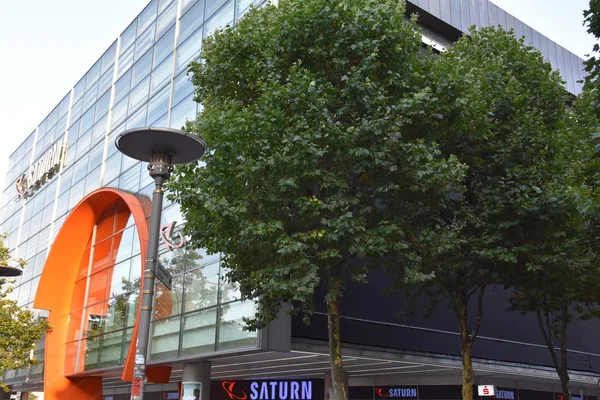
[
  {"x": 223, "y": 17},
  {"x": 199, "y": 330},
  {"x": 164, "y": 46},
  {"x": 166, "y": 19},
  {"x": 144, "y": 42},
  {"x": 231, "y": 327},
  {"x": 184, "y": 111},
  {"x": 165, "y": 339},
  {"x": 191, "y": 21},
  {"x": 162, "y": 74},
  {"x": 201, "y": 286},
  {"x": 159, "y": 104}
]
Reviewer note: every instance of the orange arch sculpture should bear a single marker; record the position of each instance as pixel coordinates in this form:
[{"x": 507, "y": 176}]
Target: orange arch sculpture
[{"x": 57, "y": 293}]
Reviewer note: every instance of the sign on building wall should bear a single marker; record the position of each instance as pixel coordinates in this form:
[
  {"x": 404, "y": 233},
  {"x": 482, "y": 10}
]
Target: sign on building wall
[
  {"x": 486, "y": 390},
  {"x": 396, "y": 392},
  {"x": 299, "y": 389},
  {"x": 42, "y": 170}
]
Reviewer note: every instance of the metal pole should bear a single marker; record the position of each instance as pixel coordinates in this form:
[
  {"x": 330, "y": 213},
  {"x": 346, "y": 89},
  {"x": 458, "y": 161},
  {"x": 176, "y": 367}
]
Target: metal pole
[{"x": 145, "y": 317}]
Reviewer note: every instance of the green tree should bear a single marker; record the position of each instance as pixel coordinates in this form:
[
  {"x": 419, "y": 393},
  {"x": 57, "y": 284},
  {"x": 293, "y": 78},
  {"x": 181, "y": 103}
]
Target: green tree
[
  {"x": 19, "y": 330},
  {"x": 558, "y": 279},
  {"x": 501, "y": 111},
  {"x": 321, "y": 161},
  {"x": 592, "y": 64}
]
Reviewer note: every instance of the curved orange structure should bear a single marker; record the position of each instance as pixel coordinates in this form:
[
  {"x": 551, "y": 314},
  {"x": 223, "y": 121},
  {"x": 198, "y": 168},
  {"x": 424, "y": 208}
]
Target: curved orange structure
[{"x": 59, "y": 293}]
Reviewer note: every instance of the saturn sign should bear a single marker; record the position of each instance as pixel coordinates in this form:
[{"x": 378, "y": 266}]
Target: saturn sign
[{"x": 42, "y": 170}]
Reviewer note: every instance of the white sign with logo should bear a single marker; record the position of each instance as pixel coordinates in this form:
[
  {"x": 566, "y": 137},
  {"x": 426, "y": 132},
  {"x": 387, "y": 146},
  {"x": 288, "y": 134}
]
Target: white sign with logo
[
  {"x": 42, "y": 170},
  {"x": 486, "y": 390}
]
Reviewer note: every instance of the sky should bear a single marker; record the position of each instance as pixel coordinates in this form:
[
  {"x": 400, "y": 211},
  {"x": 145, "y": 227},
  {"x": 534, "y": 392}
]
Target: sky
[{"x": 47, "y": 46}]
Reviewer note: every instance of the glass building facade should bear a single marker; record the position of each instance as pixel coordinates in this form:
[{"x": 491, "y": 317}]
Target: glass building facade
[{"x": 139, "y": 81}]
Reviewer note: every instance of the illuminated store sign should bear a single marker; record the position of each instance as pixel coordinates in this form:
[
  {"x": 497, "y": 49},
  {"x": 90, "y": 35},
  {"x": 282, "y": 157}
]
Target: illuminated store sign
[
  {"x": 270, "y": 390},
  {"x": 396, "y": 392},
  {"x": 507, "y": 394},
  {"x": 42, "y": 170}
]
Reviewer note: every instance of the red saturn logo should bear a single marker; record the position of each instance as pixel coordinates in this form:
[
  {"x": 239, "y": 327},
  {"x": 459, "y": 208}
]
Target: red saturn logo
[
  {"x": 380, "y": 392},
  {"x": 228, "y": 387}
]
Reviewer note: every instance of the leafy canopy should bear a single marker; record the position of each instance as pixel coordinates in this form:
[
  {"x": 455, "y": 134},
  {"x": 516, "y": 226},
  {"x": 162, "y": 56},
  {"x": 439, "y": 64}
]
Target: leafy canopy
[
  {"x": 322, "y": 158},
  {"x": 19, "y": 331}
]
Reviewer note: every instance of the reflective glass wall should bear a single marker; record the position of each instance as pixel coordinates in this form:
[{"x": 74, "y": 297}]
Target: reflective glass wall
[{"x": 139, "y": 81}]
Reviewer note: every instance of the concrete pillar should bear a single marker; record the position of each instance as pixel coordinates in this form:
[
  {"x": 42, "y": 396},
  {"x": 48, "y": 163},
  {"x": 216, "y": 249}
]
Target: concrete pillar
[
  {"x": 198, "y": 372},
  {"x": 329, "y": 385}
]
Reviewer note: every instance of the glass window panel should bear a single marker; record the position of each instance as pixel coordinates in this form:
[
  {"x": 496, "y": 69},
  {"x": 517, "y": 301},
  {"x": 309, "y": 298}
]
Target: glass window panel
[
  {"x": 87, "y": 120},
  {"x": 80, "y": 170},
  {"x": 105, "y": 81},
  {"x": 93, "y": 75},
  {"x": 116, "y": 315},
  {"x": 63, "y": 204},
  {"x": 162, "y": 74},
  {"x": 186, "y": 4},
  {"x": 74, "y": 133},
  {"x": 47, "y": 216},
  {"x": 166, "y": 19},
  {"x": 76, "y": 110},
  {"x": 223, "y": 17},
  {"x": 243, "y": 5},
  {"x": 136, "y": 267},
  {"x": 99, "y": 130},
  {"x": 159, "y": 104},
  {"x": 61, "y": 126},
  {"x": 110, "y": 352},
  {"x": 92, "y": 181},
  {"x": 142, "y": 68},
  {"x": 112, "y": 167},
  {"x": 201, "y": 288},
  {"x": 102, "y": 106},
  {"x": 191, "y": 21},
  {"x": 162, "y": 4},
  {"x": 189, "y": 50},
  {"x": 165, "y": 339},
  {"x": 164, "y": 46},
  {"x": 128, "y": 36},
  {"x": 186, "y": 110},
  {"x": 213, "y": 6},
  {"x": 231, "y": 327},
  {"x": 138, "y": 119},
  {"x": 127, "y": 163},
  {"x": 65, "y": 180},
  {"x": 108, "y": 58},
  {"x": 122, "y": 86},
  {"x": 90, "y": 96},
  {"x": 147, "y": 16},
  {"x": 124, "y": 242},
  {"x": 145, "y": 41},
  {"x": 199, "y": 332},
  {"x": 96, "y": 156},
  {"x": 167, "y": 303},
  {"x": 120, "y": 278},
  {"x": 83, "y": 145},
  {"x": 126, "y": 60},
  {"x": 79, "y": 89},
  {"x": 64, "y": 106},
  {"x": 132, "y": 307},
  {"x": 161, "y": 121},
  {"x": 76, "y": 194},
  {"x": 99, "y": 286},
  {"x": 182, "y": 87},
  {"x": 139, "y": 94},
  {"x": 130, "y": 180},
  {"x": 120, "y": 111}
]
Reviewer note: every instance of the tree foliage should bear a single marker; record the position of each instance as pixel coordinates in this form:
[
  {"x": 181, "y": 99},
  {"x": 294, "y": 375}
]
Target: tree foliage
[
  {"x": 19, "y": 330},
  {"x": 503, "y": 115},
  {"x": 592, "y": 64},
  {"x": 321, "y": 159}
]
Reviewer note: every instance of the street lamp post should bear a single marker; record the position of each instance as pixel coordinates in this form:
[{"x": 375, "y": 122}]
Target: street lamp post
[{"x": 161, "y": 148}]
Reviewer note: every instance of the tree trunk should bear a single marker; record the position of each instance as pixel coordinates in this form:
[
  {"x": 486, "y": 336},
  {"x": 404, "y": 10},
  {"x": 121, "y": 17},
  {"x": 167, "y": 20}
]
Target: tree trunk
[
  {"x": 335, "y": 350},
  {"x": 467, "y": 369},
  {"x": 565, "y": 381}
]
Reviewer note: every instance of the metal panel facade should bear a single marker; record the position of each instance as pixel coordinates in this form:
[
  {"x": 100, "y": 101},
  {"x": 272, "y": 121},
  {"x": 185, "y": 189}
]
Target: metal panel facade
[{"x": 462, "y": 14}]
